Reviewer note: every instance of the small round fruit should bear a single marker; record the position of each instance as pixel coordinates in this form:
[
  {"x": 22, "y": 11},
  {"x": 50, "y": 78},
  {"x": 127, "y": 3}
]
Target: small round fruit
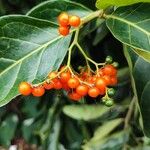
[
  {"x": 57, "y": 85},
  {"x": 38, "y": 91},
  {"x": 52, "y": 75},
  {"x": 74, "y": 21},
  {"x": 48, "y": 86},
  {"x": 101, "y": 85},
  {"x": 25, "y": 88},
  {"x": 111, "y": 92},
  {"x": 93, "y": 92},
  {"x": 115, "y": 64},
  {"x": 114, "y": 81},
  {"x": 108, "y": 59},
  {"x": 65, "y": 76},
  {"x": 109, "y": 70},
  {"x": 109, "y": 102},
  {"x": 107, "y": 79},
  {"x": 63, "y": 19},
  {"x": 63, "y": 30},
  {"x": 82, "y": 90},
  {"x": 65, "y": 87},
  {"x": 104, "y": 99},
  {"x": 73, "y": 82},
  {"x": 74, "y": 96}
]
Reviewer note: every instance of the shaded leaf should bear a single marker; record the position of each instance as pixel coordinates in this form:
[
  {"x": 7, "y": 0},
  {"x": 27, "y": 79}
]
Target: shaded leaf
[
  {"x": 7, "y": 129},
  {"x": 85, "y": 112},
  {"x": 140, "y": 70}
]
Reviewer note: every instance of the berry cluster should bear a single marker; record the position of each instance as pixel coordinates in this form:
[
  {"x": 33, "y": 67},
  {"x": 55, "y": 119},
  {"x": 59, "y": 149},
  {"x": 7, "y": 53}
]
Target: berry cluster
[
  {"x": 66, "y": 21},
  {"x": 78, "y": 85}
]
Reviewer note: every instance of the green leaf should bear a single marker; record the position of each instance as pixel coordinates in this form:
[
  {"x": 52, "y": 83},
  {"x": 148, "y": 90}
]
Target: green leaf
[
  {"x": 130, "y": 25},
  {"x": 31, "y": 48},
  {"x": 102, "y": 4},
  {"x": 85, "y": 112},
  {"x": 140, "y": 70},
  {"x": 101, "y": 133},
  {"x": 7, "y": 130},
  {"x": 50, "y": 10}
]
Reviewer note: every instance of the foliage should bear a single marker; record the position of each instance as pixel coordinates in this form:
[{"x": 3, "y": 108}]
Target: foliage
[{"x": 30, "y": 47}]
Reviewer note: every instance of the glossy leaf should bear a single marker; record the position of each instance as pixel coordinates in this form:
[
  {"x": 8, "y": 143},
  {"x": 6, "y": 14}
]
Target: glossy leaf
[
  {"x": 130, "y": 25},
  {"x": 50, "y": 10},
  {"x": 141, "y": 83},
  {"x": 85, "y": 112},
  {"x": 102, "y": 4},
  {"x": 30, "y": 48}
]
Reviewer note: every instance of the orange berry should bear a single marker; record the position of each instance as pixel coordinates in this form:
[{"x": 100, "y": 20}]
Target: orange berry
[
  {"x": 101, "y": 85},
  {"x": 25, "y": 88},
  {"x": 74, "y": 96},
  {"x": 109, "y": 70},
  {"x": 65, "y": 87},
  {"x": 52, "y": 75},
  {"x": 113, "y": 81},
  {"x": 57, "y": 84},
  {"x": 82, "y": 90},
  {"x": 63, "y": 30},
  {"x": 38, "y": 91},
  {"x": 93, "y": 92},
  {"x": 107, "y": 79},
  {"x": 48, "y": 86},
  {"x": 63, "y": 19},
  {"x": 73, "y": 82},
  {"x": 65, "y": 76},
  {"x": 74, "y": 21}
]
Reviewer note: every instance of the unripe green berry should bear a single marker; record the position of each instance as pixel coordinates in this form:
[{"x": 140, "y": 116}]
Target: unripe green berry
[
  {"x": 104, "y": 99},
  {"x": 111, "y": 92},
  {"x": 115, "y": 64},
  {"x": 108, "y": 59},
  {"x": 109, "y": 102}
]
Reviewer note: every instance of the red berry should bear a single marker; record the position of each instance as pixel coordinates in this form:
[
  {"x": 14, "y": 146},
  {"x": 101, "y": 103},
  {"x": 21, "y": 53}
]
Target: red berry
[
  {"x": 65, "y": 76},
  {"x": 63, "y": 30},
  {"x": 82, "y": 90},
  {"x": 101, "y": 85},
  {"x": 73, "y": 82},
  {"x": 38, "y": 91},
  {"x": 74, "y": 21},
  {"x": 57, "y": 84},
  {"x": 63, "y": 19},
  {"x": 93, "y": 92},
  {"x": 25, "y": 88},
  {"x": 74, "y": 96},
  {"x": 109, "y": 70},
  {"x": 48, "y": 86}
]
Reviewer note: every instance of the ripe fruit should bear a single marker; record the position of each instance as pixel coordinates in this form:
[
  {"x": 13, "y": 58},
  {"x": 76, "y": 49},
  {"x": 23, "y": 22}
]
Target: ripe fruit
[
  {"x": 107, "y": 79},
  {"x": 57, "y": 84},
  {"x": 82, "y": 90},
  {"x": 25, "y": 88},
  {"x": 73, "y": 82},
  {"x": 74, "y": 96},
  {"x": 63, "y": 19},
  {"x": 48, "y": 86},
  {"x": 38, "y": 91},
  {"x": 109, "y": 70},
  {"x": 101, "y": 85},
  {"x": 63, "y": 30},
  {"x": 114, "y": 80},
  {"x": 93, "y": 92},
  {"x": 65, "y": 76},
  {"x": 74, "y": 21},
  {"x": 52, "y": 75}
]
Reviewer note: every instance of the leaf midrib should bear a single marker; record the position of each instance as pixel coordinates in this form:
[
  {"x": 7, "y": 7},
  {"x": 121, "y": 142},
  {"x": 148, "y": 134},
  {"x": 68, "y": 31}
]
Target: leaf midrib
[{"x": 128, "y": 22}]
